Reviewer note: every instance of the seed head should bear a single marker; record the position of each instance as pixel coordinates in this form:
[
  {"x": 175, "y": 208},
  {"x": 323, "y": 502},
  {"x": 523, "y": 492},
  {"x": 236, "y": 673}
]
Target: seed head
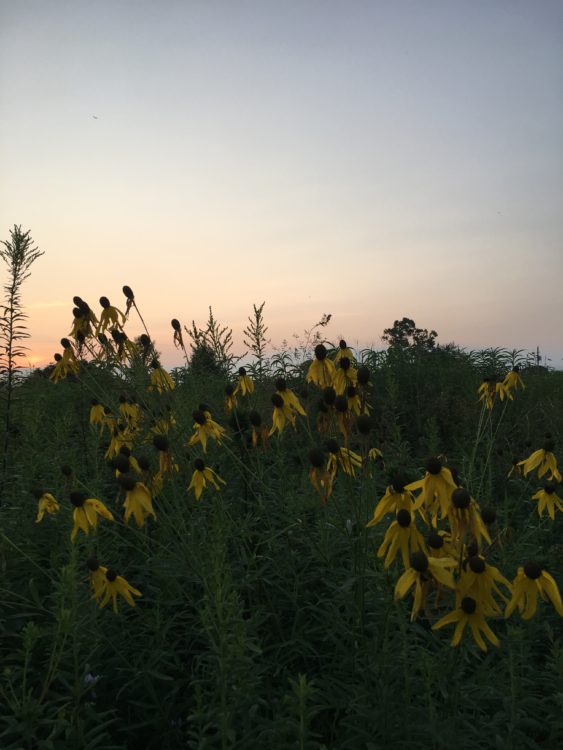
[
  {"x": 433, "y": 466},
  {"x": 128, "y": 292},
  {"x": 277, "y": 400},
  {"x": 160, "y": 442},
  {"x": 532, "y": 569},
  {"x": 477, "y": 564},
  {"x": 419, "y": 561},
  {"x": 468, "y": 605},
  {"x": 320, "y": 352},
  {"x": 104, "y": 302},
  {"x": 363, "y": 375},
  {"x": 332, "y": 446},
  {"x": 461, "y": 498},
  {"x": 435, "y": 541},
  {"x": 127, "y": 482},
  {"x": 341, "y": 404},
  {"x": 199, "y": 464},
  {"x": 398, "y": 483},
  {"x": 281, "y": 384},
  {"x": 199, "y": 416},
  {"x": 404, "y": 518},
  {"x": 175, "y": 323},
  {"x": 77, "y": 498}
]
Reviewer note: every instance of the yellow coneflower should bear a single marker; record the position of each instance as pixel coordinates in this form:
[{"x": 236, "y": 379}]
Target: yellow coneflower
[
  {"x": 436, "y": 488},
  {"x": 260, "y": 432},
  {"x": 230, "y": 397},
  {"x": 125, "y": 347},
  {"x": 468, "y": 613},
  {"x": 464, "y": 516},
  {"x": 138, "y": 500},
  {"x": 167, "y": 465},
  {"x": 178, "y": 338},
  {"x": 548, "y": 500},
  {"x": 121, "y": 436},
  {"x": 422, "y": 572},
  {"x": 489, "y": 389},
  {"x": 440, "y": 544},
  {"x": 344, "y": 417},
  {"x": 397, "y": 497},
  {"x": 67, "y": 363},
  {"x": 83, "y": 319},
  {"x": 512, "y": 380},
  {"x": 321, "y": 370},
  {"x": 342, "y": 458},
  {"x": 480, "y": 580},
  {"x": 97, "y": 414},
  {"x": 130, "y": 297},
  {"x": 515, "y": 468},
  {"x": 86, "y": 512},
  {"x": 245, "y": 384},
  {"x": 97, "y": 575},
  {"x": 205, "y": 428},
  {"x": 131, "y": 412},
  {"x": 125, "y": 462},
  {"x": 320, "y": 477},
  {"x": 290, "y": 400},
  {"x": 46, "y": 503},
  {"x": 281, "y": 415},
  {"x": 117, "y": 585},
  {"x": 401, "y": 536},
  {"x": 202, "y": 476},
  {"x": 344, "y": 351},
  {"x": 543, "y": 460},
  {"x": 109, "y": 317},
  {"x": 532, "y": 581},
  {"x": 355, "y": 402},
  {"x": 344, "y": 376},
  {"x": 160, "y": 379}
]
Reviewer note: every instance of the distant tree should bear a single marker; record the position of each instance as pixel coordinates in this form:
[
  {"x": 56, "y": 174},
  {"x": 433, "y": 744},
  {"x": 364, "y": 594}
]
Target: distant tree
[{"x": 405, "y": 335}]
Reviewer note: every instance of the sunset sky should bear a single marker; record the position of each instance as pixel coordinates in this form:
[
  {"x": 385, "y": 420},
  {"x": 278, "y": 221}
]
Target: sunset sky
[{"x": 371, "y": 160}]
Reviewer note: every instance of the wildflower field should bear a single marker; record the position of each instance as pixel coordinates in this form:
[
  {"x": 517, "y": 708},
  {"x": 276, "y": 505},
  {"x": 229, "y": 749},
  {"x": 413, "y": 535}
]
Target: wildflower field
[{"x": 316, "y": 548}]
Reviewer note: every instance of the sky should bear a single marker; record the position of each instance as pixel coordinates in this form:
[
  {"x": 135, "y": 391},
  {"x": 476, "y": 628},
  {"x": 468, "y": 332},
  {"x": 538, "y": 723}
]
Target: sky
[{"x": 371, "y": 160}]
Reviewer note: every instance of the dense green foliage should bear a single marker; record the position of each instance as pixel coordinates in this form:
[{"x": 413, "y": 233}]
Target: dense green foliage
[{"x": 266, "y": 620}]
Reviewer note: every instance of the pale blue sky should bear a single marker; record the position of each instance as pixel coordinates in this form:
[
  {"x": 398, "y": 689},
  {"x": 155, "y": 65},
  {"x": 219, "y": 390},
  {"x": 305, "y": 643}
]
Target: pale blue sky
[{"x": 368, "y": 159}]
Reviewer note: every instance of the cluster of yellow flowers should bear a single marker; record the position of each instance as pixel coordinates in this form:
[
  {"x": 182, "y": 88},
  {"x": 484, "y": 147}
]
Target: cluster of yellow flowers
[{"x": 449, "y": 559}]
